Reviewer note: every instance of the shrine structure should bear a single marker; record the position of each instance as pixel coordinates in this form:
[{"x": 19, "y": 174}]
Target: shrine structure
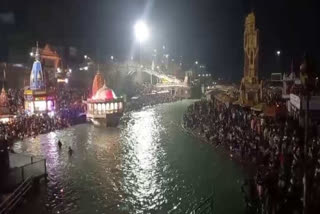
[
  {"x": 38, "y": 97},
  {"x": 51, "y": 63},
  {"x": 104, "y": 107}
]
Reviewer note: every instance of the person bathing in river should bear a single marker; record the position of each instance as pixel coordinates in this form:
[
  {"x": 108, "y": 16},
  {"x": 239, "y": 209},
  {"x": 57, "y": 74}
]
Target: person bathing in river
[{"x": 59, "y": 144}]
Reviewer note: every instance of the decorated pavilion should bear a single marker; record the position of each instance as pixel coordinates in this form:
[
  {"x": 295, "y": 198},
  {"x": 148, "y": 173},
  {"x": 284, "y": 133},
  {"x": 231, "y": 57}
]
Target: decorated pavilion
[{"x": 103, "y": 104}]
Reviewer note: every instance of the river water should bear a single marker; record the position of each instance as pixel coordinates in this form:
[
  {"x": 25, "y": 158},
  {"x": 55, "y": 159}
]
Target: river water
[{"x": 147, "y": 165}]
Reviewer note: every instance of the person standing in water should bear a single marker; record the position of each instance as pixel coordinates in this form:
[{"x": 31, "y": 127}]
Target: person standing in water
[
  {"x": 70, "y": 151},
  {"x": 59, "y": 144}
]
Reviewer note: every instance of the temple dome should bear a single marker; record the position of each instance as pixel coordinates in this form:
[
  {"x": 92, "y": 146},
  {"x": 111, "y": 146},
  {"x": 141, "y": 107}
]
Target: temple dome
[
  {"x": 104, "y": 93},
  {"x": 98, "y": 82}
]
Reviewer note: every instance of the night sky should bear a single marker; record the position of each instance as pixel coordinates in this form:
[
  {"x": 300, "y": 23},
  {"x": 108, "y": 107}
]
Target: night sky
[{"x": 210, "y": 31}]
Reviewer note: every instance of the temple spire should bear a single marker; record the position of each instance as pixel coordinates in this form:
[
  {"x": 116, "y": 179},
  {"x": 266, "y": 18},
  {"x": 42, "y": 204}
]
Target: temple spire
[
  {"x": 37, "y": 52},
  {"x": 252, "y": 3},
  {"x": 4, "y": 75},
  {"x": 98, "y": 68}
]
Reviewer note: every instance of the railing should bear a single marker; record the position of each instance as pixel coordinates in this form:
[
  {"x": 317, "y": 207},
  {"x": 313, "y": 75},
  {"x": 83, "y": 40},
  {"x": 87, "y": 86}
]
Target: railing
[
  {"x": 205, "y": 207},
  {"x": 12, "y": 201},
  {"x": 20, "y": 174}
]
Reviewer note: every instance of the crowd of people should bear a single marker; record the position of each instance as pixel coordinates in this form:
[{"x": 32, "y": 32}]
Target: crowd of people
[
  {"x": 15, "y": 100},
  {"x": 154, "y": 98},
  {"x": 270, "y": 148},
  {"x": 70, "y": 105},
  {"x": 67, "y": 112},
  {"x": 29, "y": 126},
  {"x": 68, "y": 97}
]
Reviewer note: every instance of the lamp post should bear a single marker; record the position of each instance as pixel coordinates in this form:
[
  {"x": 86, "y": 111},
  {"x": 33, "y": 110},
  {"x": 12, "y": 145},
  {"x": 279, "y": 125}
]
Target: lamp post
[
  {"x": 278, "y": 54},
  {"x": 305, "y": 100},
  {"x": 141, "y": 32}
]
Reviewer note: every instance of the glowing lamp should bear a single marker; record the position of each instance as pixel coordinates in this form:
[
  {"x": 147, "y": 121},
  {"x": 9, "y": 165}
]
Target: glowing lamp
[{"x": 141, "y": 31}]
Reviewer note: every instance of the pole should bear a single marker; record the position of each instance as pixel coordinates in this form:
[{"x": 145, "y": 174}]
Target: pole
[
  {"x": 22, "y": 173},
  {"x": 305, "y": 155},
  {"x": 140, "y": 53},
  {"x": 45, "y": 169},
  {"x": 140, "y": 63}
]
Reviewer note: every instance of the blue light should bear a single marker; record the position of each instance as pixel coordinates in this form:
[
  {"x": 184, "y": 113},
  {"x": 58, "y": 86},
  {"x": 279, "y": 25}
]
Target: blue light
[{"x": 36, "y": 76}]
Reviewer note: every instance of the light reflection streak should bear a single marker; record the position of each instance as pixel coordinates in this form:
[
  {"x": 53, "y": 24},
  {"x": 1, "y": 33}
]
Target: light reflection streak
[
  {"x": 141, "y": 179},
  {"x": 50, "y": 149}
]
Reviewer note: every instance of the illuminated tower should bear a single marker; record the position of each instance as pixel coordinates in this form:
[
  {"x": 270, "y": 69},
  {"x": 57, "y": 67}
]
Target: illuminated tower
[
  {"x": 251, "y": 49},
  {"x": 250, "y": 89},
  {"x": 36, "y": 76}
]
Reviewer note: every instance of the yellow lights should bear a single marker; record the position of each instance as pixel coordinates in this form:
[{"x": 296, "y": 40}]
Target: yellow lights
[{"x": 105, "y": 108}]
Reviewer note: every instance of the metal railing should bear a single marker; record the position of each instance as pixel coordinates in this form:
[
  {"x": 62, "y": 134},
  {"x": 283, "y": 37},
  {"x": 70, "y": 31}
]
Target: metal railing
[
  {"x": 14, "y": 198},
  {"x": 205, "y": 207},
  {"x": 19, "y": 174}
]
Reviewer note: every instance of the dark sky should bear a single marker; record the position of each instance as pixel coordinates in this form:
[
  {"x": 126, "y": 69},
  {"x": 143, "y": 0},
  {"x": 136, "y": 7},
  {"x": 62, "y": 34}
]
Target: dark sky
[{"x": 210, "y": 31}]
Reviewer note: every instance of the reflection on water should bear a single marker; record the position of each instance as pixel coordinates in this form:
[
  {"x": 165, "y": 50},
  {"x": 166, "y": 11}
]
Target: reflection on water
[
  {"x": 142, "y": 180},
  {"x": 149, "y": 164}
]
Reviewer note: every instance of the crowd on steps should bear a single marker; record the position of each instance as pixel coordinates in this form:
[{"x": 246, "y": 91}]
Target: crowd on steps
[
  {"x": 273, "y": 150},
  {"x": 23, "y": 125},
  {"x": 141, "y": 101}
]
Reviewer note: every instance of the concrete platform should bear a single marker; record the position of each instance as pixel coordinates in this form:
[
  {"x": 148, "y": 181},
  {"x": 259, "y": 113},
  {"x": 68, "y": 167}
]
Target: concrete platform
[{"x": 19, "y": 160}]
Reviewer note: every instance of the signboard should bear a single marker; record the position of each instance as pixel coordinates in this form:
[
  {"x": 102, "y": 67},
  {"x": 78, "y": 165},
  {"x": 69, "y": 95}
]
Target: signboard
[
  {"x": 295, "y": 100},
  {"x": 39, "y": 92},
  {"x": 314, "y": 102},
  {"x": 35, "y": 92},
  {"x": 39, "y": 98},
  {"x": 28, "y": 97},
  {"x": 28, "y": 92}
]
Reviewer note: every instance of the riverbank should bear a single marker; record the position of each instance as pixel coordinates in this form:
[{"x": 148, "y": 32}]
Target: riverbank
[
  {"x": 271, "y": 148},
  {"x": 248, "y": 167}
]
